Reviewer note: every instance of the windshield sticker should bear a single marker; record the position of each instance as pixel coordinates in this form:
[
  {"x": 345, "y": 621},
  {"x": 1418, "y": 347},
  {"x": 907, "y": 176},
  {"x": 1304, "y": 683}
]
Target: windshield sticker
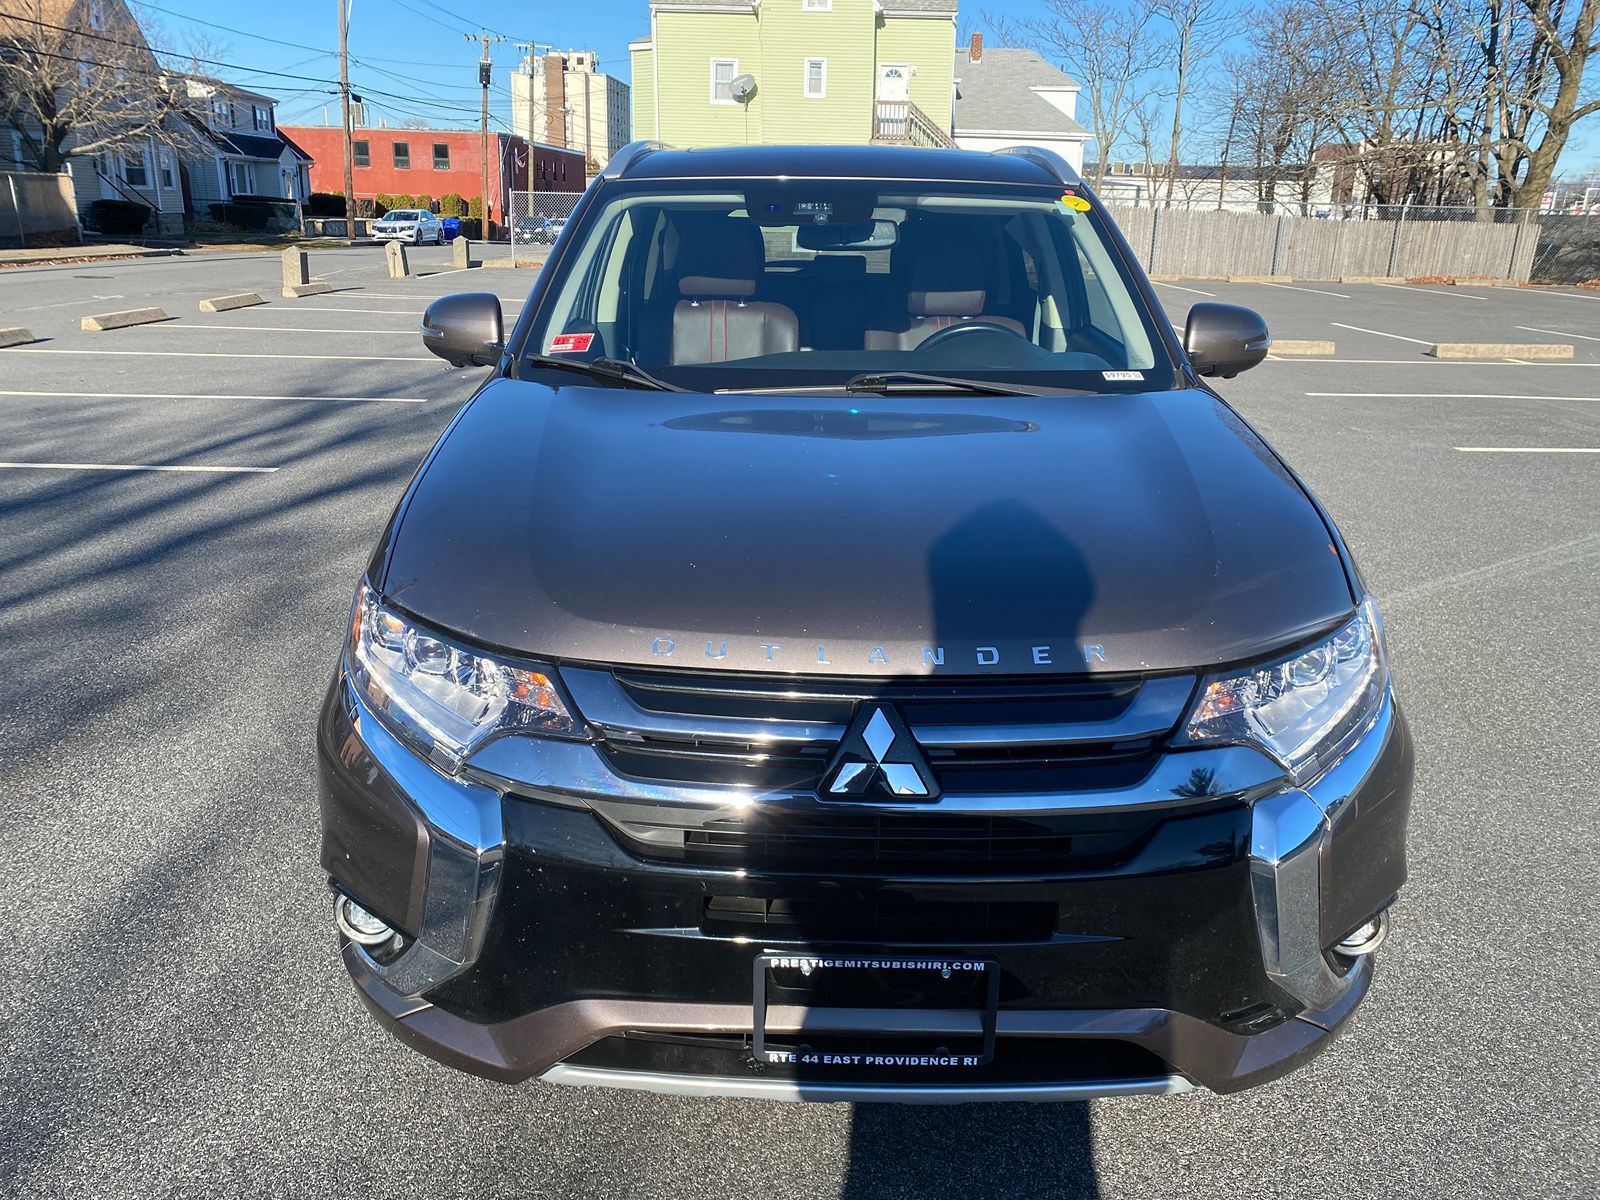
[
  {"x": 571, "y": 343},
  {"x": 1071, "y": 199},
  {"x": 1118, "y": 376}
]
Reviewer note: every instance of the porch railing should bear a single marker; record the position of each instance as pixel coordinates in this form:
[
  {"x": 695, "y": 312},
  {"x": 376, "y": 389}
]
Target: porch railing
[{"x": 900, "y": 122}]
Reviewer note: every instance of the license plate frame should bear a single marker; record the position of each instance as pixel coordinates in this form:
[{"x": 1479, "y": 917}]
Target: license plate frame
[{"x": 767, "y": 960}]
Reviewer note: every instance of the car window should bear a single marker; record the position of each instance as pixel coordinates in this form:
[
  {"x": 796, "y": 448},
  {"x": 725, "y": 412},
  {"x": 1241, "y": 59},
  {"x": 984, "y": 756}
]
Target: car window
[{"x": 806, "y": 282}]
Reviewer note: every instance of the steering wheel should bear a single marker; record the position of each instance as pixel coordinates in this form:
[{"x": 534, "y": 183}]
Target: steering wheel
[{"x": 964, "y": 329}]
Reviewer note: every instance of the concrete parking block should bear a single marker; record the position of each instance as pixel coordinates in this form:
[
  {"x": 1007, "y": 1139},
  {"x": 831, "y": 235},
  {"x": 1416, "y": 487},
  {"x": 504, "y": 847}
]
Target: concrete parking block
[
  {"x": 228, "y": 303},
  {"x": 317, "y": 287},
  {"x": 123, "y": 319},
  {"x": 1524, "y": 350},
  {"x": 15, "y": 337},
  {"x": 1372, "y": 279},
  {"x": 395, "y": 255},
  {"x": 1302, "y": 349},
  {"x": 1260, "y": 278}
]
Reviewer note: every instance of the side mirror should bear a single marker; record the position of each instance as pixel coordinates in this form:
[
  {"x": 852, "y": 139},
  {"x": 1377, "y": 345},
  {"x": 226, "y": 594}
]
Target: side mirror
[
  {"x": 1224, "y": 339},
  {"x": 466, "y": 330}
]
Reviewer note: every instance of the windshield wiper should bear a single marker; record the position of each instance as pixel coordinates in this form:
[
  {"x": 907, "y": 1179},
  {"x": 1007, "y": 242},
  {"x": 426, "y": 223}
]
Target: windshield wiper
[
  {"x": 612, "y": 370},
  {"x": 882, "y": 383}
]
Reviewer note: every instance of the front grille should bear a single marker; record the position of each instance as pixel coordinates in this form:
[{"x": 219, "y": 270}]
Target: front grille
[
  {"x": 878, "y": 920},
  {"x": 761, "y": 737}
]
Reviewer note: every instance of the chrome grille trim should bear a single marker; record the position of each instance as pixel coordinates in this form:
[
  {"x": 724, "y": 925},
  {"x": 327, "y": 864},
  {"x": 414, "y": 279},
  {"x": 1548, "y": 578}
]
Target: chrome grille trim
[
  {"x": 604, "y": 703},
  {"x": 1155, "y": 710}
]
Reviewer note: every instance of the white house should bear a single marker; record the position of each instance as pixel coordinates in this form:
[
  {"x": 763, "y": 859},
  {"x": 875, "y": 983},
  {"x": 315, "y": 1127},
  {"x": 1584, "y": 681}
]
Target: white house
[{"x": 1009, "y": 97}]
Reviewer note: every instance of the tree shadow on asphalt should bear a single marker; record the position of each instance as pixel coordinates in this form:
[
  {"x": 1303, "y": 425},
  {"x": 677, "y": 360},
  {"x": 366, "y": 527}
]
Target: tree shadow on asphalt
[{"x": 970, "y": 1150}]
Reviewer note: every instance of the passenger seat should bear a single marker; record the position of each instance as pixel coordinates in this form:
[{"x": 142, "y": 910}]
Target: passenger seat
[{"x": 719, "y": 262}]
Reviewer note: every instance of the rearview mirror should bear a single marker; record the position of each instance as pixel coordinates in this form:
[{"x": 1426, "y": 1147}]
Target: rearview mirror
[
  {"x": 1224, "y": 339},
  {"x": 466, "y": 330}
]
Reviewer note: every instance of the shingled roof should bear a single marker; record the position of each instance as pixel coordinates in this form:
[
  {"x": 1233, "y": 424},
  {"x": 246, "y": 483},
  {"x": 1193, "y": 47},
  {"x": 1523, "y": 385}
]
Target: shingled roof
[{"x": 995, "y": 94}]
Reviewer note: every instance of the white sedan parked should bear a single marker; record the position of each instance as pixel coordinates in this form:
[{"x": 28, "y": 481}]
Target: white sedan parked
[{"x": 409, "y": 225}]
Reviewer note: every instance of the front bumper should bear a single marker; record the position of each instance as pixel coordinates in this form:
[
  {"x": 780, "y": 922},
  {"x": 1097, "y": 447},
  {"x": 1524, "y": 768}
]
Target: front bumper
[{"x": 537, "y": 945}]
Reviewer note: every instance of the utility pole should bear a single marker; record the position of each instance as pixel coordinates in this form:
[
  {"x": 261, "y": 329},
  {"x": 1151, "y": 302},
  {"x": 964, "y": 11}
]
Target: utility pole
[
  {"x": 485, "y": 76},
  {"x": 344, "y": 104}
]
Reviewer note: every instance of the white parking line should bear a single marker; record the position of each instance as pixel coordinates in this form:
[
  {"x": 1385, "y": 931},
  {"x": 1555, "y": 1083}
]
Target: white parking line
[
  {"x": 1567, "y": 295},
  {"x": 1445, "y": 396},
  {"x": 219, "y": 354},
  {"x": 1380, "y": 333},
  {"x": 27, "y": 466},
  {"x": 1317, "y": 291},
  {"x": 1176, "y": 288},
  {"x": 1422, "y": 362},
  {"x": 1529, "y": 449},
  {"x": 356, "y": 294},
  {"x": 216, "y": 396},
  {"x": 293, "y": 329},
  {"x": 1588, "y": 337},
  {"x": 1406, "y": 287}
]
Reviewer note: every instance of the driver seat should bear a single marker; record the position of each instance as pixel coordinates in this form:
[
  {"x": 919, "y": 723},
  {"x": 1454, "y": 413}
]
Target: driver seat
[
  {"x": 948, "y": 284},
  {"x": 719, "y": 261}
]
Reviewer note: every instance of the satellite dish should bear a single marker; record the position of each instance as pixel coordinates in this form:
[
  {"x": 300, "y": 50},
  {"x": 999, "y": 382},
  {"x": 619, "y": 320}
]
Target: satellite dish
[{"x": 743, "y": 87}]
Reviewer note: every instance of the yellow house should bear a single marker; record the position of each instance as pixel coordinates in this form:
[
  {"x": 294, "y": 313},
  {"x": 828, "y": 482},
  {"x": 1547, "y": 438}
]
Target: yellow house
[{"x": 735, "y": 72}]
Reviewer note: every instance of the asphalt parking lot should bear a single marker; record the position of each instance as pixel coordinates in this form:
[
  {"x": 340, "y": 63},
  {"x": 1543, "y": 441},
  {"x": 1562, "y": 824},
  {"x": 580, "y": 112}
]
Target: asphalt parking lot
[{"x": 175, "y": 1017}]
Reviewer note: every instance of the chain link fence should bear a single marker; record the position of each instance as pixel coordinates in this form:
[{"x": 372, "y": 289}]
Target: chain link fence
[
  {"x": 1331, "y": 241},
  {"x": 537, "y": 219}
]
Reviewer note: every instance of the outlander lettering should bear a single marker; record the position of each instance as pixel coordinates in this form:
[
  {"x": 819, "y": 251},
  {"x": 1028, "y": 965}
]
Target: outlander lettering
[{"x": 862, "y": 658}]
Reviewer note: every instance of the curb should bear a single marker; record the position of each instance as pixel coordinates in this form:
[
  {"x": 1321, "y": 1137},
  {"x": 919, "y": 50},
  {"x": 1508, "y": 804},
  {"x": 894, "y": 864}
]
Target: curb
[
  {"x": 1490, "y": 350},
  {"x": 121, "y": 320},
  {"x": 229, "y": 303}
]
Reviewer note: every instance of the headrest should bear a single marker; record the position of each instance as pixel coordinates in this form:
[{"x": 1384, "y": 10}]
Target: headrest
[
  {"x": 968, "y": 303},
  {"x": 950, "y": 265},
  {"x": 718, "y": 255}
]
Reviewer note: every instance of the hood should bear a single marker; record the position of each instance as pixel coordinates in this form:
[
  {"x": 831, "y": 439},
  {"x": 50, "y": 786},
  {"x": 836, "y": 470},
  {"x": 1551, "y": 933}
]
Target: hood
[{"x": 864, "y": 535}]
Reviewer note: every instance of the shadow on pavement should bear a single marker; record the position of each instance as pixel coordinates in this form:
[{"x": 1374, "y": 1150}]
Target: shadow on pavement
[{"x": 970, "y": 1150}]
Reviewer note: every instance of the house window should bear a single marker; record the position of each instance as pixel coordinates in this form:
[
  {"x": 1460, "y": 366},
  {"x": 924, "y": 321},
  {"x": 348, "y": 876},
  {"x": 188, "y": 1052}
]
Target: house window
[
  {"x": 166, "y": 167},
  {"x": 817, "y": 5},
  {"x": 441, "y": 156},
  {"x": 360, "y": 155},
  {"x": 816, "y": 78},
  {"x": 722, "y": 72},
  {"x": 402, "y": 156},
  {"x": 244, "y": 179},
  {"x": 16, "y": 148},
  {"x": 136, "y": 172},
  {"x": 224, "y": 112},
  {"x": 262, "y": 117}
]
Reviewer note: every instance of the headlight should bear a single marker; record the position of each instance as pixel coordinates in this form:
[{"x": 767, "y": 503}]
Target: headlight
[
  {"x": 446, "y": 697},
  {"x": 1304, "y": 710}
]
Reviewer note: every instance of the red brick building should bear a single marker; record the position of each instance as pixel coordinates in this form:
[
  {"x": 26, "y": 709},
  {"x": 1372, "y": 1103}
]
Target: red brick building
[{"x": 436, "y": 162}]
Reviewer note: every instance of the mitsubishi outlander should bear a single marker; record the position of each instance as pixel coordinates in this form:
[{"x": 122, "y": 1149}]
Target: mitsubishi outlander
[{"x": 845, "y": 649}]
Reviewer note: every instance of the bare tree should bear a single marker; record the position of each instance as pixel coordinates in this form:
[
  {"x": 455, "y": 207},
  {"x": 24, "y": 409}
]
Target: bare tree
[
  {"x": 1197, "y": 29},
  {"x": 83, "y": 82},
  {"x": 1108, "y": 47}
]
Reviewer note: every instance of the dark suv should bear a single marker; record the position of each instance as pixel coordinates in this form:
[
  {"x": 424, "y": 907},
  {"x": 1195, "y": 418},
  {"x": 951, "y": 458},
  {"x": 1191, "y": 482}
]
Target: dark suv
[{"x": 844, "y": 650}]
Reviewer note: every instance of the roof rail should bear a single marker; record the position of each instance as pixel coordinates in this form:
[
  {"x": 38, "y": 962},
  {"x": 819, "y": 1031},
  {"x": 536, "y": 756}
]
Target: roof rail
[
  {"x": 617, "y": 165},
  {"x": 1048, "y": 159}
]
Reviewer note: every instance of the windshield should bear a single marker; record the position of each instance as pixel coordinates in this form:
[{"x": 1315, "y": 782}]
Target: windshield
[
  {"x": 812, "y": 283},
  {"x": 404, "y": 214}
]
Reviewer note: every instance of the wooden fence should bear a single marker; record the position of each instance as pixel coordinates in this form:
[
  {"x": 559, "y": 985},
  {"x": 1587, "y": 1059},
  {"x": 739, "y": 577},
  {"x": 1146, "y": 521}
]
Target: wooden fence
[
  {"x": 1203, "y": 241},
  {"x": 37, "y": 209}
]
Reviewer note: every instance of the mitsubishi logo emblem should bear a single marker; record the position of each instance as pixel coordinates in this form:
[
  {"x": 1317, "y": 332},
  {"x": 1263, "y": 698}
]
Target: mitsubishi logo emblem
[{"x": 879, "y": 754}]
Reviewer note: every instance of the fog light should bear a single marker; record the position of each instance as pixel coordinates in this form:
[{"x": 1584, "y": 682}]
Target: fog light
[
  {"x": 357, "y": 924},
  {"x": 1367, "y": 938}
]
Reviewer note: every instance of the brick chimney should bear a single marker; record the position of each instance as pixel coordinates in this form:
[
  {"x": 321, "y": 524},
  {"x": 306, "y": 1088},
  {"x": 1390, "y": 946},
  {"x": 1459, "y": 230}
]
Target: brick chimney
[{"x": 975, "y": 53}]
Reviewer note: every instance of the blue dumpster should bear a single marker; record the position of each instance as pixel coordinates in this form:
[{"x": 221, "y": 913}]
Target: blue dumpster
[{"x": 452, "y": 228}]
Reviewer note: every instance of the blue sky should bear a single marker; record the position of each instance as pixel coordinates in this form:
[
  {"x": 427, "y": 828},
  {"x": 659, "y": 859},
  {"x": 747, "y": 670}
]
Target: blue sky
[{"x": 413, "y": 63}]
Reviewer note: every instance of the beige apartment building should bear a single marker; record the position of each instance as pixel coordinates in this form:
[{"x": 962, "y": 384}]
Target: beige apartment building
[{"x": 562, "y": 98}]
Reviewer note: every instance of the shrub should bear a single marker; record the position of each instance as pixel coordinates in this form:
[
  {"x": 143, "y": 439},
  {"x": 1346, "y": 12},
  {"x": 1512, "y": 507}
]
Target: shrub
[
  {"x": 119, "y": 216},
  {"x": 326, "y": 204},
  {"x": 452, "y": 205},
  {"x": 471, "y": 229},
  {"x": 241, "y": 216}
]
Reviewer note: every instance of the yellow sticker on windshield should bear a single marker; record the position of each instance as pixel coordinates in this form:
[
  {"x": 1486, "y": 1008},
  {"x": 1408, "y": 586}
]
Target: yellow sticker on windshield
[{"x": 1074, "y": 201}]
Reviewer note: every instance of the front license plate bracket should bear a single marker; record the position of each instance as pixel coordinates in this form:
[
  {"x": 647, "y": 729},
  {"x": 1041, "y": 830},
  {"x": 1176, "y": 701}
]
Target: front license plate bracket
[{"x": 913, "y": 969}]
